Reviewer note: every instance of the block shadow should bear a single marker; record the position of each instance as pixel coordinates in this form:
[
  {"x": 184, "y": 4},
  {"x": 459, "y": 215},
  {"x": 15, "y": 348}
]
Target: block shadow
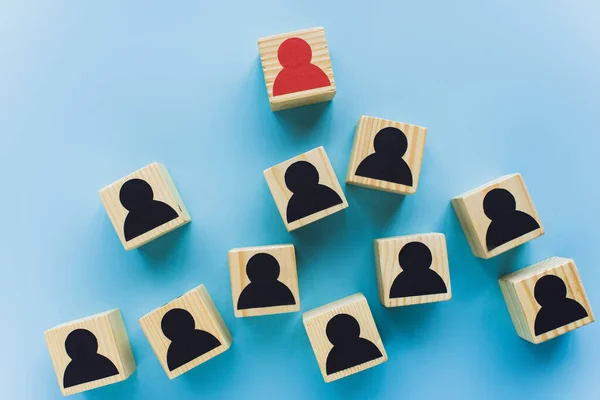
[
  {"x": 414, "y": 322},
  {"x": 167, "y": 253},
  {"x": 380, "y": 206},
  {"x": 367, "y": 384},
  {"x": 323, "y": 232},
  {"x": 162, "y": 247},
  {"x": 301, "y": 121}
]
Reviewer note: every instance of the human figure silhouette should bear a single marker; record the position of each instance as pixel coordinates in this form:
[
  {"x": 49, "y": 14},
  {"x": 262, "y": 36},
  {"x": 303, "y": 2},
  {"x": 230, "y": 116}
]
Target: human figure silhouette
[
  {"x": 309, "y": 197},
  {"x": 386, "y": 163},
  {"x": 349, "y": 349},
  {"x": 557, "y": 310},
  {"x": 145, "y": 213},
  {"x": 264, "y": 290},
  {"x": 298, "y": 74},
  {"x": 416, "y": 278},
  {"x": 86, "y": 364},
  {"x": 507, "y": 222},
  {"x": 187, "y": 342}
]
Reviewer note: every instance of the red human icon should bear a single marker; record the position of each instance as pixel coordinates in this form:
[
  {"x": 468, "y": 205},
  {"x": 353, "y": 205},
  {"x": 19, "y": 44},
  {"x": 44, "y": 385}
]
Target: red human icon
[{"x": 298, "y": 74}]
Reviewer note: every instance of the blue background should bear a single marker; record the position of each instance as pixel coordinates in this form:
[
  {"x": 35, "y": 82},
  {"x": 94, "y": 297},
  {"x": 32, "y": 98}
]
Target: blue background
[{"x": 92, "y": 91}]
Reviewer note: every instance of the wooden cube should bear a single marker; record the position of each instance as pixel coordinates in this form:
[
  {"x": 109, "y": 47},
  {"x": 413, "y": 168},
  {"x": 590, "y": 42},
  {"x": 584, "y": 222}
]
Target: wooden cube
[
  {"x": 546, "y": 299},
  {"x": 412, "y": 269},
  {"x": 344, "y": 337},
  {"x": 297, "y": 68},
  {"x": 90, "y": 352},
  {"x": 186, "y": 332},
  {"x": 386, "y": 155},
  {"x": 305, "y": 189},
  {"x": 498, "y": 216},
  {"x": 264, "y": 280},
  {"x": 144, "y": 206}
]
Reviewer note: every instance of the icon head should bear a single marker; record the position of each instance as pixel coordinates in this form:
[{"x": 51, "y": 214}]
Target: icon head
[
  {"x": 549, "y": 289},
  {"x": 342, "y": 328},
  {"x": 135, "y": 193},
  {"x": 301, "y": 176},
  {"x": 177, "y": 323},
  {"x": 81, "y": 343},
  {"x": 390, "y": 140},
  {"x": 294, "y": 52},
  {"x": 498, "y": 202},
  {"x": 415, "y": 256},
  {"x": 262, "y": 267}
]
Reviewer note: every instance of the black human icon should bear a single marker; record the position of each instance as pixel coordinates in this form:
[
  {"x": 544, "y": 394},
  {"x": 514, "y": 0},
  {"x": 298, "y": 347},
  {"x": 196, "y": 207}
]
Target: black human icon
[
  {"x": 386, "y": 163},
  {"x": 264, "y": 290},
  {"x": 145, "y": 213},
  {"x": 309, "y": 197},
  {"x": 187, "y": 342},
  {"x": 557, "y": 310},
  {"x": 349, "y": 349},
  {"x": 416, "y": 278},
  {"x": 86, "y": 364},
  {"x": 508, "y": 223}
]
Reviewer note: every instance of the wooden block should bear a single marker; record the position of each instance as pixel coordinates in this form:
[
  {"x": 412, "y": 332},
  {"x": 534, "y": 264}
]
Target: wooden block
[
  {"x": 386, "y": 155},
  {"x": 90, "y": 352},
  {"x": 297, "y": 68},
  {"x": 264, "y": 280},
  {"x": 498, "y": 216},
  {"x": 154, "y": 206},
  {"x": 412, "y": 269},
  {"x": 186, "y": 332},
  {"x": 317, "y": 192},
  {"x": 344, "y": 337},
  {"x": 546, "y": 299}
]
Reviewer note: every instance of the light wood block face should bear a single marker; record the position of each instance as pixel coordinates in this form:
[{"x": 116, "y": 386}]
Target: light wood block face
[
  {"x": 386, "y": 155},
  {"x": 297, "y": 72},
  {"x": 317, "y": 191},
  {"x": 186, "y": 332},
  {"x": 412, "y": 269},
  {"x": 154, "y": 206},
  {"x": 498, "y": 216},
  {"x": 90, "y": 352},
  {"x": 264, "y": 280},
  {"x": 344, "y": 337},
  {"x": 546, "y": 300}
]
